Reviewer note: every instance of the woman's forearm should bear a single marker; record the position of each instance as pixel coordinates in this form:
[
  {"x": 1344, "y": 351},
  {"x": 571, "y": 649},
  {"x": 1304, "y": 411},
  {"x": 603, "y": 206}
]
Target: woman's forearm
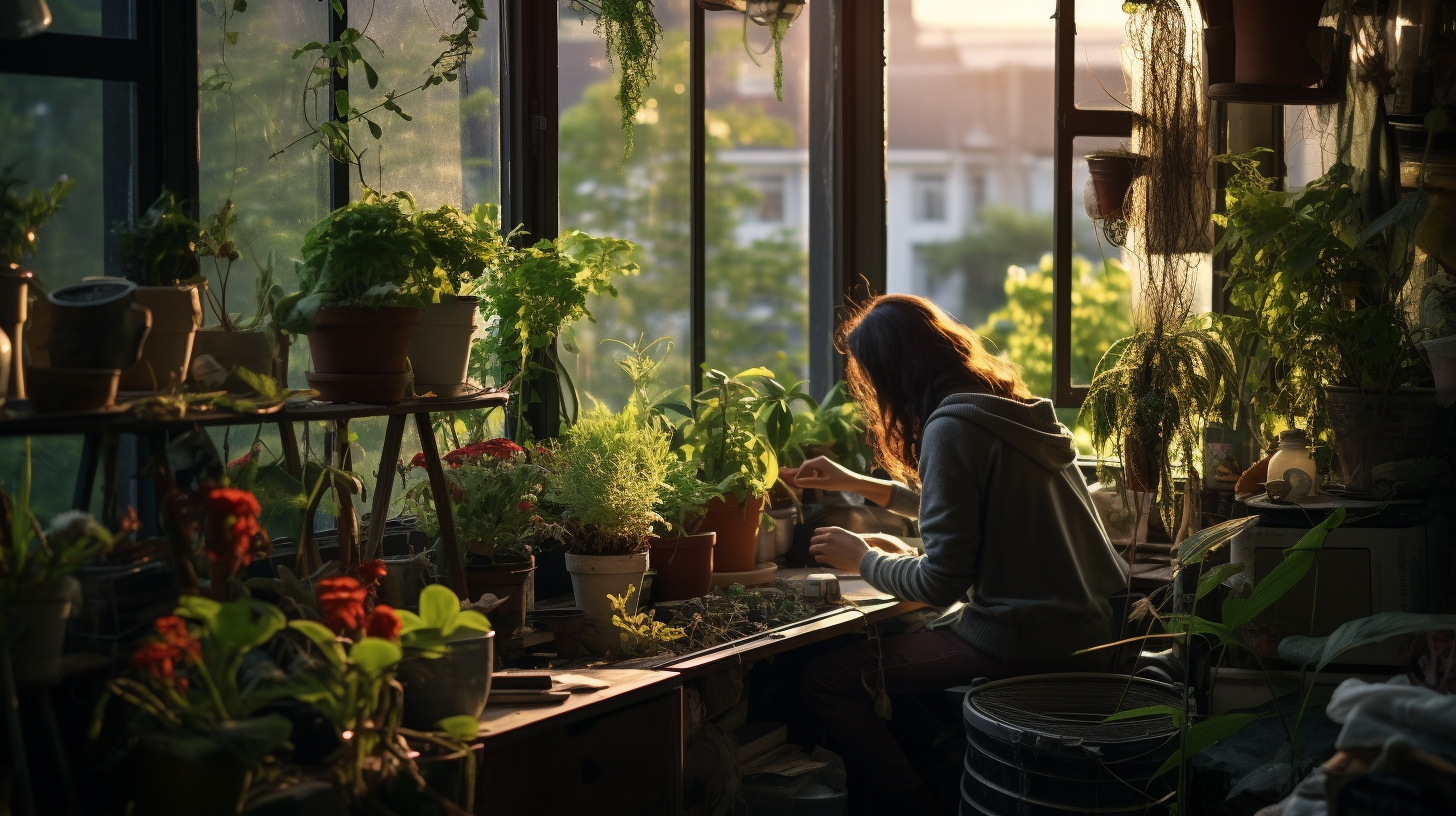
[{"x": 878, "y": 491}]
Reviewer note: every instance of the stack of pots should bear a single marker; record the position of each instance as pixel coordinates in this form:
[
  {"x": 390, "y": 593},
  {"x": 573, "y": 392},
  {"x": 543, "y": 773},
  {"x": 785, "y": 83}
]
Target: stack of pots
[{"x": 84, "y": 336}]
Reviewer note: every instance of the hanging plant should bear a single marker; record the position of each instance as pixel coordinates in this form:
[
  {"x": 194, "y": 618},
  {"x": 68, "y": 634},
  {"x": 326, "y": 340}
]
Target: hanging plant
[
  {"x": 633, "y": 37},
  {"x": 776, "y": 16}
]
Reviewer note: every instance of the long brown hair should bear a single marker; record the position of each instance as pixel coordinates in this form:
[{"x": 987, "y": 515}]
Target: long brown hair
[{"x": 905, "y": 355}]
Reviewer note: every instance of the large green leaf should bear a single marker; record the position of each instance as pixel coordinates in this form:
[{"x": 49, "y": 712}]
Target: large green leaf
[
  {"x": 1203, "y": 734},
  {"x": 1149, "y": 711},
  {"x": 1205, "y": 541},
  {"x": 245, "y": 624},
  {"x": 1211, "y": 579},
  {"x": 327, "y": 644},
  {"x": 468, "y": 619},
  {"x": 1302, "y": 651},
  {"x": 438, "y": 607},
  {"x": 198, "y": 608},
  {"x": 375, "y": 656},
  {"x": 462, "y": 727},
  {"x": 1238, "y": 612}
]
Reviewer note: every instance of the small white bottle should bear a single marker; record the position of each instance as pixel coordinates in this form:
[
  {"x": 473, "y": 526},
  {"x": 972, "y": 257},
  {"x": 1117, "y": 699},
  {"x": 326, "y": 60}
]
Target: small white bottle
[{"x": 1293, "y": 464}]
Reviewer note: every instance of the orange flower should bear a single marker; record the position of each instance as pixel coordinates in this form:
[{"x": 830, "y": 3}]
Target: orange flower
[
  {"x": 175, "y": 634},
  {"x": 383, "y": 623},
  {"x": 341, "y": 602},
  {"x": 232, "y": 523},
  {"x": 371, "y": 573},
  {"x": 159, "y": 660}
]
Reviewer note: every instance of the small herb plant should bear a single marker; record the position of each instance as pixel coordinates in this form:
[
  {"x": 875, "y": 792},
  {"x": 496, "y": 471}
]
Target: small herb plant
[
  {"x": 1324, "y": 284},
  {"x": 642, "y": 634},
  {"x": 370, "y": 252},
  {"x": 684, "y": 497},
  {"x": 22, "y": 215},
  {"x": 727, "y": 435},
  {"x": 218, "y": 243},
  {"x": 463, "y": 245},
  {"x": 160, "y": 248},
  {"x": 607, "y": 480}
]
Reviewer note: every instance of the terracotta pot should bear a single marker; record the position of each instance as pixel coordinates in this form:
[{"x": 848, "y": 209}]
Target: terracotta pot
[
  {"x": 358, "y": 351},
  {"x": 1271, "y": 42},
  {"x": 566, "y": 624},
  {"x": 456, "y": 683},
  {"x": 593, "y": 578},
  {"x": 94, "y": 324},
  {"x": 165, "y": 784},
  {"x": 176, "y": 316},
  {"x": 736, "y": 524},
  {"x": 1112, "y": 176},
  {"x": 251, "y": 350},
  {"x": 439, "y": 350},
  {"x": 14, "y": 309},
  {"x": 1375, "y": 429},
  {"x": 505, "y": 580},
  {"x": 58, "y": 390},
  {"x": 684, "y": 566},
  {"x": 40, "y": 622}
]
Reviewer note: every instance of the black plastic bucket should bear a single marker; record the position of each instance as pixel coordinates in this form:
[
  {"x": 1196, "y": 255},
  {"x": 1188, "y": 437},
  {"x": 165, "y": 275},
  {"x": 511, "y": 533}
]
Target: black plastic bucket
[{"x": 1038, "y": 746}]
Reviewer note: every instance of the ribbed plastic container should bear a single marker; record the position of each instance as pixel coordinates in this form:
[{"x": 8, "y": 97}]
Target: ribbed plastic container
[{"x": 1038, "y": 746}]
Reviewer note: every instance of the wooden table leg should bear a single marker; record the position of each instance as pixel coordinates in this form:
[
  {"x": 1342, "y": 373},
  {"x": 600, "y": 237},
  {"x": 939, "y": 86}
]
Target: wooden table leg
[
  {"x": 450, "y": 548},
  {"x": 383, "y": 487},
  {"x": 348, "y": 521},
  {"x": 292, "y": 460},
  {"x": 168, "y": 504}
]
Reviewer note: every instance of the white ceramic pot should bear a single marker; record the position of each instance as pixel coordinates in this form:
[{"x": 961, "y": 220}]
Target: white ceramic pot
[
  {"x": 593, "y": 578},
  {"x": 176, "y": 317},
  {"x": 786, "y": 520},
  {"x": 41, "y": 620},
  {"x": 439, "y": 350}
]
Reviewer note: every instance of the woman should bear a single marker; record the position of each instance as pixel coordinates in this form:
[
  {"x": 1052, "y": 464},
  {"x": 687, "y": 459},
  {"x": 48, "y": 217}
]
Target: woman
[{"x": 1008, "y": 527}]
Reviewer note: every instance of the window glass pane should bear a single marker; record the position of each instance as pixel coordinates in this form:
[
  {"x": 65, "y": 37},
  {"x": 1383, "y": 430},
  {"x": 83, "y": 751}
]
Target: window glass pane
[
  {"x": 644, "y": 200},
  {"x": 94, "y": 18},
  {"x": 49, "y": 127},
  {"x": 1101, "y": 284},
  {"x": 1309, "y": 145},
  {"x": 1100, "y": 79},
  {"x": 757, "y": 206}
]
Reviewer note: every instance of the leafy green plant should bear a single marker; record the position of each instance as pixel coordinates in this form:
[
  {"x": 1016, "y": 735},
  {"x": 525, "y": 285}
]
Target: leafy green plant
[
  {"x": 217, "y": 242},
  {"x": 1150, "y": 397},
  {"x": 642, "y": 634},
  {"x": 370, "y": 252},
  {"x": 834, "y": 428},
  {"x": 533, "y": 293},
  {"x": 160, "y": 248},
  {"x": 633, "y": 37},
  {"x": 463, "y": 245},
  {"x": 1322, "y": 282},
  {"x": 607, "y": 479},
  {"x": 684, "y": 498},
  {"x": 727, "y": 436},
  {"x": 440, "y": 620},
  {"x": 343, "y": 56},
  {"x": 21, "y": 216},
  {"x": 648, "y": 401},
  {"x": 32, "y": 560}
]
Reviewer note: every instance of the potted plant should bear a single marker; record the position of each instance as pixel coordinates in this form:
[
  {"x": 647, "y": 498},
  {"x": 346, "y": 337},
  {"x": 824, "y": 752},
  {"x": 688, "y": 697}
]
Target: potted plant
[
  {"x": 20, "y": 217},
  {"x": 448, "y": 659},
  {"x": 200, "y": 736},
  {"x": 237, "y": 341},
  {"x": 737, "y": 459},
  {"x": 463, "y": 248},
  {"x": 365, "y": 276},
  {"x": 682, "y": 556},
  {"x": 1112, "y": 172},
  {"x": 607, "y": 475},
  {"x": 36, "y": 587},
  {"x": 1252, "y": 42},
  {"x": 1322, "y": 280},
  {"x": 495, "y": 488},
  {"x": 534, "y": 292},
  {"x": 158, "y": 252}
]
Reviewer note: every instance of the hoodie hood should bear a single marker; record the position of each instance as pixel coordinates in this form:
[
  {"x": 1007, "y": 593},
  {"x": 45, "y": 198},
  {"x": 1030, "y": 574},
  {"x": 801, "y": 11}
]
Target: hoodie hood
[{"x": 1031, "y": 428}]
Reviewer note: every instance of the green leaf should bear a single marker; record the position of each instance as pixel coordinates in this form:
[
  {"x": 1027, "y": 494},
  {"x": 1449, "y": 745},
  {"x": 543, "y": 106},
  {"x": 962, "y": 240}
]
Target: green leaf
[
  {"x": 370, "y": 75},
  {"x": 1238, "y": 612},
  {"x": 462, "y": 727},
  {"x": 231, "y": 37},
  {"x": 1203, "y": 734},
  {"x": 1302, "y": 651},
  {"x": 438, "y": 607},
  {"x": 1205, "y": 541},
  {"x": 327, "y": 644},
  {"x": 341, "y": 103},
  {"x": 374, "y": 129},
  {"x": 408, "y": 621},
  {"x": 1407, "y": 210},
  {"x": 198, "y": 608},
  {"x": 375, "y": 656},
  {"x": 1210, "y": 580},
  {"x": 244, "y": 625},
  {"x": 468, "y": 619},
  {"x": 1149, "y": 711}
]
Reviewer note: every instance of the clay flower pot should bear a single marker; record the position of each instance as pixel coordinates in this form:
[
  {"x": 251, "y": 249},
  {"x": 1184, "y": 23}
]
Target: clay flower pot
[
  {"x": 593, "y": 578},
  {"x": 439, "y": 350},
  {"x": 505, "y": 580},
  {"x": 684, "y": 566},
  {"x": 1112, "y": 175},
  {"x": 176, "y": 316},
  {"x": 251, "y": 350},
  {"x": 1271, "y": 42},
  {"x": 362, "y": 354},
  {"x": 736, "y": 524},
  {"x": 94, "y": 324}
]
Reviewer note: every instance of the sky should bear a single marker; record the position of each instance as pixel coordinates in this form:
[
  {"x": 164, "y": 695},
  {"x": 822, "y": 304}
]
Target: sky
[{"x": 1026, "y": 13}]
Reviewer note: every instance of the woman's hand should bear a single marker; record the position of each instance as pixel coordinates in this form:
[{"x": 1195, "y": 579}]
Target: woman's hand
[
  {"x": 838, "y": 548},
  {"x": 822, "y": 474}
]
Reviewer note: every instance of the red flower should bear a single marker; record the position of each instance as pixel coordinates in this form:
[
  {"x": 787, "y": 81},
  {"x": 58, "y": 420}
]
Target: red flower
[
  {"x": 524, "y": 505},
  {"x": 502, "y": 448},
  {"x": 232, "y": 523},
  {"x": 419, "y": 460},
  {"x": 175, "y": 634},
  {"x": 383, "y": 623},
  {"x": 159, "y": 659},
  {"x": 241, "y": 460},
  {"x": 341, "y": 602},
  {"x": 371, "y": 573}
]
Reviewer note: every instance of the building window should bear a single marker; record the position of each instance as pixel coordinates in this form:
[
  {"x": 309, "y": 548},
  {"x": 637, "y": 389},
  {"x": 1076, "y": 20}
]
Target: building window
[
  {"x": 928, "y": 194},
  {"x": 976, "y": 192},
  {"x": 770, "y": 208}
]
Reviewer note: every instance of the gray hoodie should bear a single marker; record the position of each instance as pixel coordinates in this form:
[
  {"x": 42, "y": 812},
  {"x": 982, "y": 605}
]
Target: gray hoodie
[{"x": 1008, "y": 527}]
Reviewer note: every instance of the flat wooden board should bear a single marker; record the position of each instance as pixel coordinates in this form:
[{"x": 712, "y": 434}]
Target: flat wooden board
[{"x": 624, "y": 686}]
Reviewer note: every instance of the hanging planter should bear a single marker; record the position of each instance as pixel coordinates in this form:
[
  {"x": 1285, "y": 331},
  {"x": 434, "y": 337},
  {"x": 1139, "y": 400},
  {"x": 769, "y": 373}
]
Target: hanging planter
[{"x": 1267, "y": 52}]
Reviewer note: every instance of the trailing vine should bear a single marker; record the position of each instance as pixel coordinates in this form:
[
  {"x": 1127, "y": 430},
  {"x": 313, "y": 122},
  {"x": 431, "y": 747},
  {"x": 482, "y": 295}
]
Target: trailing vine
[
  {"x": 776, "y": 16},
  {"x": 343, "y": 56},
  {"x": 633, "y": 37}
]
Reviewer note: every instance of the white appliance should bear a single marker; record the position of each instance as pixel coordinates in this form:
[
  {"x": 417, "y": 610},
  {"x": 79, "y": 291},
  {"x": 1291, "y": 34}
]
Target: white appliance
[{"x": 1358, "y": 572}]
